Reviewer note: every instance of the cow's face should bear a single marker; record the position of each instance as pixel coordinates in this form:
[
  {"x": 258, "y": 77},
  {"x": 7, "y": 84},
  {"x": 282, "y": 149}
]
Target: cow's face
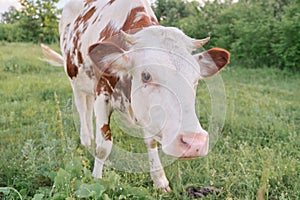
[{"x": 164, "y": 75}]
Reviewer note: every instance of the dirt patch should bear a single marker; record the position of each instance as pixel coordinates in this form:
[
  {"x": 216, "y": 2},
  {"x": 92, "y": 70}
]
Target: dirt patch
[{"x": 198, "y": 192}]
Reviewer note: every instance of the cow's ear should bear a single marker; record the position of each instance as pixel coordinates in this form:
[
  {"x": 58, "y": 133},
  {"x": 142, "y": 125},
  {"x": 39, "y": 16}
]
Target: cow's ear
[
  {"x": 212, "y": 61},
  {"x": 109, "y": 58}
]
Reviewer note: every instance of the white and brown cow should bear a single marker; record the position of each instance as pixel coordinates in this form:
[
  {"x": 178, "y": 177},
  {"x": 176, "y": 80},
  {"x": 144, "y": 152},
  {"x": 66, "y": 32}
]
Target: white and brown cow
[{"x": 147, "y": 73}]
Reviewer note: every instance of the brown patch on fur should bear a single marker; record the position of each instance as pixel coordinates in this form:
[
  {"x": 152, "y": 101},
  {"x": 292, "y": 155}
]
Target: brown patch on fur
[
  {"x": 79, "y": 56},
  {"x": 153, "y": 144},
  {"x": 101, "y": 152},
  {"x": 145, "y": 20},
  {"x": 82, "y": 19},
  {"x": 76, "y": 35},
  {"x": 154, "y": 21},
  {"x": 88, "y": 14},
  {"x": 105, "y": 130},
  {"x": 75, "y": 42},
  {"x": 106, "y": 83},
  {"x": 72, "y": 69},
  {"x": 107, "y": 32},
  {"x": 89, "y": 1},
  {"x": 89, "y": 72},
  {"x": 124, "y": 85},
  {"x": 111, "y": 2},
  {"x": 96, "y": 18},
  {"x": 64, "y": 39}
]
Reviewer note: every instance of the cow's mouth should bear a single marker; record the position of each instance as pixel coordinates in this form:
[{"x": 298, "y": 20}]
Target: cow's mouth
[{"x": 187, "y": 158}]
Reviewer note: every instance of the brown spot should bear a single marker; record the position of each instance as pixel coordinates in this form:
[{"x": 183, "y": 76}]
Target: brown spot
[
  {"x": 88, "y": 14},
  {"x": 101, "y": 152},
  {"x": 79, "y": 56},
  {"x": 153, "y": 144},
  {"x": 85, "y": 26},
  {"x": 82, "y": 19},
  {"x": 105, "y": 130},
  {"x": 89, "y": 73},
  {"x": 107, "y": 32},
  {"x": 111, "y": 2},
  {"x": 96, "y": 18},
  {"x": 75, "y": 41},
  {"x": 145, "y": 20},
  {"x": 77, "y": 46},
  {"x": 72, "y": 69},
  {"x": 124, "y": 85},
  {"x": 76, "y": 35},
  {"x": 154, "y": 21},
  {"x": 64, "y": 37},
  {"x": 89, "y": 1},
  {"x": 77, "y": 22},
  {"x": 106, "y": 83}
]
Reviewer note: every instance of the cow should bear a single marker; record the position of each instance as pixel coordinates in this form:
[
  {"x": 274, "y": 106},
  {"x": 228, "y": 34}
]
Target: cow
[{"x": 118, "y": 57}]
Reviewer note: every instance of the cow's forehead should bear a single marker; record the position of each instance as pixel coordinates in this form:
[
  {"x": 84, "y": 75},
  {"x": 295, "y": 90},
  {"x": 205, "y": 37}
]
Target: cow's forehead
[
  {"x": 169, "y": 38},
  {"x": 160, "y": 47}
]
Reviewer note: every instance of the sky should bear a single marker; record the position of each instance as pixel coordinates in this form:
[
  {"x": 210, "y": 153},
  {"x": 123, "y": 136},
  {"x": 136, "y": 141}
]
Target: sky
[{"x": 5, "y": 4}]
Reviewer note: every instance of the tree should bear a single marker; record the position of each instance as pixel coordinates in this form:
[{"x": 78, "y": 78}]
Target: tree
[
  {"x": 170, "y": 12},
  {"x": 257, "y": 32},
  {"x": 48, "y": 13},
  {"x": 37, "y": 21},
  {"x": 287, "y": 45},
  {"x": 10, "y": 16}
]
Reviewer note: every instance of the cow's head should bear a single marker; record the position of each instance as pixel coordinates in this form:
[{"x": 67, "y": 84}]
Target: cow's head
[{"x": 164, "y": 75}]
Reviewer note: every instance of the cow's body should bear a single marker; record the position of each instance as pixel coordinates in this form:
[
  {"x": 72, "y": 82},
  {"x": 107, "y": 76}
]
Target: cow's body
[{"x": 103, "y": 84}]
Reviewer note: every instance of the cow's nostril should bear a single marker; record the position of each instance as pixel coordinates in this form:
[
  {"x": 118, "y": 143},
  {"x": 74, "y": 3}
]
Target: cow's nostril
[{"x": 183, "y": 142}]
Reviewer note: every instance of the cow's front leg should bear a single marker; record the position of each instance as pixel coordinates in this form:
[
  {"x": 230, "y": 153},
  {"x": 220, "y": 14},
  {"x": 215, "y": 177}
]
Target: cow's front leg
[
  {"x": 102, "y": 109},
  {"x": 156, "y": 169},
  {"x": 84, "y": 104}
]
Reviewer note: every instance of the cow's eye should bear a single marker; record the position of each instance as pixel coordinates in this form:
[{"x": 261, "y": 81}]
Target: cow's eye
[{"x": 146, "y": 77}]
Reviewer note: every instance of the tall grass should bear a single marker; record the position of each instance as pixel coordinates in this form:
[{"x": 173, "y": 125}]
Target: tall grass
[{"x": 256, "y": 157}]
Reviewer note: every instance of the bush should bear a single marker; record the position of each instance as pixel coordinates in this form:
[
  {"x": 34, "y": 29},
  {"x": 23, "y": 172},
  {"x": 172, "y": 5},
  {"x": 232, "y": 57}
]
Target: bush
[
  {"x": 257, "y": 33},
  {"x": 287, "y": 47},
  {"x": 9, "y": 33}
]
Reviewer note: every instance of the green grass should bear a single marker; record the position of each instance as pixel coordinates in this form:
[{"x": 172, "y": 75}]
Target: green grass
[{"x": 256, "y": 157}]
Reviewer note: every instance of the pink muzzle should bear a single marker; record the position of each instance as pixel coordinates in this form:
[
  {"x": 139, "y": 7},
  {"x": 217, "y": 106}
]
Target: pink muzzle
[{"x": 193, "y": 145}]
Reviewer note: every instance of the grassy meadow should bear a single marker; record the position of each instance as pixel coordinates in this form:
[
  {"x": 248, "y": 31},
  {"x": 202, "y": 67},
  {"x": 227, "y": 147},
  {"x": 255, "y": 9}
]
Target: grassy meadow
[{"x": 256, "y": 157}]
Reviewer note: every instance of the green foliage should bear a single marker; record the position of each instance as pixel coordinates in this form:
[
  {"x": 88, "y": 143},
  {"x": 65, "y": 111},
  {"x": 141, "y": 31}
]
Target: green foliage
[
  {"x": 287, "y": 47},
  {"x": 9, "y": 33},
  {"x": 257, "y": 33},
  {"x": 256, "y": 156},
  {"x": 171, "y": 11},
  {"x": 10, "y": 16},
  {"x": 37, "y": 21}
]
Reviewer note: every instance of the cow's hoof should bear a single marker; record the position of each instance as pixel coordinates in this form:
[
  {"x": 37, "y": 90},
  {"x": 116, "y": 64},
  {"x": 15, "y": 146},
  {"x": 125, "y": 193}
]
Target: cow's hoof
[
  {"x": 86, "y": 144},
  {"x": 166, "y": 189},
  {"x": 86, "y": 141},
  {"x": 97, "y": 174}
]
